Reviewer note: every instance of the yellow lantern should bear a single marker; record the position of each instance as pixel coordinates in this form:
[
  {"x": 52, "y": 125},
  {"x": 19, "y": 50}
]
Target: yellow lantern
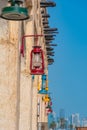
[{"x": 46, "y": 98}]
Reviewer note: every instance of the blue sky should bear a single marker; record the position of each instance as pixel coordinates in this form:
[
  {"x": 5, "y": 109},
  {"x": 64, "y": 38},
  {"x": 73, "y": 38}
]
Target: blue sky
[{"x": 68, "y": 74}]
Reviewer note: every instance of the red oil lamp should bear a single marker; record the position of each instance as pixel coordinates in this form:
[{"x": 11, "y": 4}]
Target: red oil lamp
[
  {"x": 49, "y": 109},
  {"x": 37, "y": 61}
]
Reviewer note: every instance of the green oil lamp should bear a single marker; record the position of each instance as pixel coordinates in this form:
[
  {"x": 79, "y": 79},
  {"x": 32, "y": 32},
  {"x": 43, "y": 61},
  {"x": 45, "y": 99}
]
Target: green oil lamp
[{"x": 15, "y": 11}]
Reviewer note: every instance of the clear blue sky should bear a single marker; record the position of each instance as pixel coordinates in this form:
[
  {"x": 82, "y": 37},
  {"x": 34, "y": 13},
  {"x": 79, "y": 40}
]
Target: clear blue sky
[{"x": 68, "y": 75}]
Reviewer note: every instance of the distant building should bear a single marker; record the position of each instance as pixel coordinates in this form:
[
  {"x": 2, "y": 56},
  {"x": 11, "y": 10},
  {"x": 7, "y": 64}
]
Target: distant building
[
  {"x": 74, "y": 120},
  {"x": 84, "y": 122},
  {"x": 62, "y": 113}
]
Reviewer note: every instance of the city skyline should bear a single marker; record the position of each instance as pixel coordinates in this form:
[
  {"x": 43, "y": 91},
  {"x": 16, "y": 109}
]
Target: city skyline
[{"x": 67, "y": 122}]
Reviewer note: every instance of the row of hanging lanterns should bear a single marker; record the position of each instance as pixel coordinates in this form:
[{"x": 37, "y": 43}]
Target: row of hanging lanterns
[
  {"x": 49, "y": 34},
  {"x": 45, "y": 95}
]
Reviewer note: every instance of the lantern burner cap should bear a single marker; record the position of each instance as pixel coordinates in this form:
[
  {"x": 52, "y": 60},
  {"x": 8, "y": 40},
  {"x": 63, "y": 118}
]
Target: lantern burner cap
[{"x": 14, "y": 13}]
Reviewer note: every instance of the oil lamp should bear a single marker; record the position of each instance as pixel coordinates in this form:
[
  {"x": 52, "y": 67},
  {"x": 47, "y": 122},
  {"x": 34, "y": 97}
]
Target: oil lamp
[
  {"x": 49, "y": 111},
  {"x": 46, "y": 98},
  {"x": 49, "y": 108},
  {"x": 15, "y": 11},
  {"x": 37, "y": 61},
  {"x": 43, "y": 90}
]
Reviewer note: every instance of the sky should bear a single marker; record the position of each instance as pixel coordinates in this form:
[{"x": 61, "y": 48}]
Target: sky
[{"x": 68, "y": 75}]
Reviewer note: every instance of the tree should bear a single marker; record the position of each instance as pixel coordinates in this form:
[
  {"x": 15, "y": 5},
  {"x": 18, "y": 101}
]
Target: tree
[{"x": 53, "y": 125}]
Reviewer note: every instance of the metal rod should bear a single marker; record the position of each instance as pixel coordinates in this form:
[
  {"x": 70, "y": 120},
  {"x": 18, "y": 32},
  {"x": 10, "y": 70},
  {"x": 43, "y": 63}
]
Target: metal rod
[
  {"x": 50, "y": 32},
  {"x": 49, "y": 35},
  {"x": 50, "y": 29},
  {"x": 45, "y": 22},
  {"x": 25, "y": 36},
  {"x": 51, "y": 45},
  {"x": 46, "y": 16},
  {"x": 49, "y": 48},
  {"x": 49, "y": 38},
  {"x": 47, "y": 4}
]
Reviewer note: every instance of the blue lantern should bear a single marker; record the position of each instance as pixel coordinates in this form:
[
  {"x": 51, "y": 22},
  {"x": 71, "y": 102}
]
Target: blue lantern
[{"x": 43, "y": 90}]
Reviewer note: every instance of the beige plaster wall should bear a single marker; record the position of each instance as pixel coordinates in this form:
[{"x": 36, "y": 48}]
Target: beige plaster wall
[{"x": 8, "y": 78}]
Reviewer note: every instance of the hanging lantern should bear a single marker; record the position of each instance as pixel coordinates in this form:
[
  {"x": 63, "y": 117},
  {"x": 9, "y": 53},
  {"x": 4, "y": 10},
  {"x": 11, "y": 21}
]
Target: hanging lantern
[
  {"x": 37, "y": 61},
  {"x": 46, "y": 98},
  {"x": 49, "y": 109},
  {"x": 49, "y": 106},
  {"x": 15, "y": 11},
  {"x": 43, "y": 90}
]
